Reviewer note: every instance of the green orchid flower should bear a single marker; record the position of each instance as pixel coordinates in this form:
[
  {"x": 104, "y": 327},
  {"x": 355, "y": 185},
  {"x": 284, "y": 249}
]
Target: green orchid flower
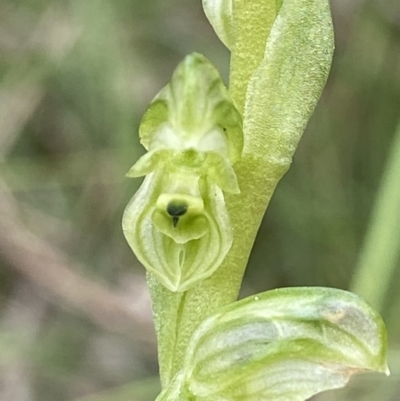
[{"x": 177, "y": 224}]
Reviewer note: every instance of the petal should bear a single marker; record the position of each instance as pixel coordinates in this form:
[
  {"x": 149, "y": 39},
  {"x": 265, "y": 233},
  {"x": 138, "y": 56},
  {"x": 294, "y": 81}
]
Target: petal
[{"x": 194, "y": 103}]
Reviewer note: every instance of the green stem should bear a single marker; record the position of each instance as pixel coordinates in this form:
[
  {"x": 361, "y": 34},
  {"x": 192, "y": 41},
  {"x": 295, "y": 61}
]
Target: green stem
[
  {"x": 381, "y": 248},
  {"x": 223, "y": 287},
  {"x": 276, "y": 86}
]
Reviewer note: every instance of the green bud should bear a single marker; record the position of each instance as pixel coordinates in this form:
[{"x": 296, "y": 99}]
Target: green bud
[
  {"x": 219, "y": 13},
  {"x": 177, "y": 224}
]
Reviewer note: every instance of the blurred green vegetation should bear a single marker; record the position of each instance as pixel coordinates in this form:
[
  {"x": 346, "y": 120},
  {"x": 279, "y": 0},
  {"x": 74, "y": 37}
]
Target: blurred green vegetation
[{"x": 76, "y": 77}]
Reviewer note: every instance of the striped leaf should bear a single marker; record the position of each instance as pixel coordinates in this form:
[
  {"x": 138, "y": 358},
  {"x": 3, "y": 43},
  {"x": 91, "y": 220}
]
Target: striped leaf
[{"x": 284, "y": 345}]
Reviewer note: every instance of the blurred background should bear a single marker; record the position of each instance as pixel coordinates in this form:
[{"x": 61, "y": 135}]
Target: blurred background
[{"x": 76, "y": 77}]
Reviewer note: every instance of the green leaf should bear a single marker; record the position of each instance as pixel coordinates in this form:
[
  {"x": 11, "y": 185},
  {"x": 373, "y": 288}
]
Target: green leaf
[
  {"x": 284, "y": 345},
  {"x": 285, "y": 87},
  {"x": 252, "y": 22}
]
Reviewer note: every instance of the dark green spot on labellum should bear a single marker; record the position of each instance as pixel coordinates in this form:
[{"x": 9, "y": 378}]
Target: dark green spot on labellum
[{"x": 176, "y": 209}]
